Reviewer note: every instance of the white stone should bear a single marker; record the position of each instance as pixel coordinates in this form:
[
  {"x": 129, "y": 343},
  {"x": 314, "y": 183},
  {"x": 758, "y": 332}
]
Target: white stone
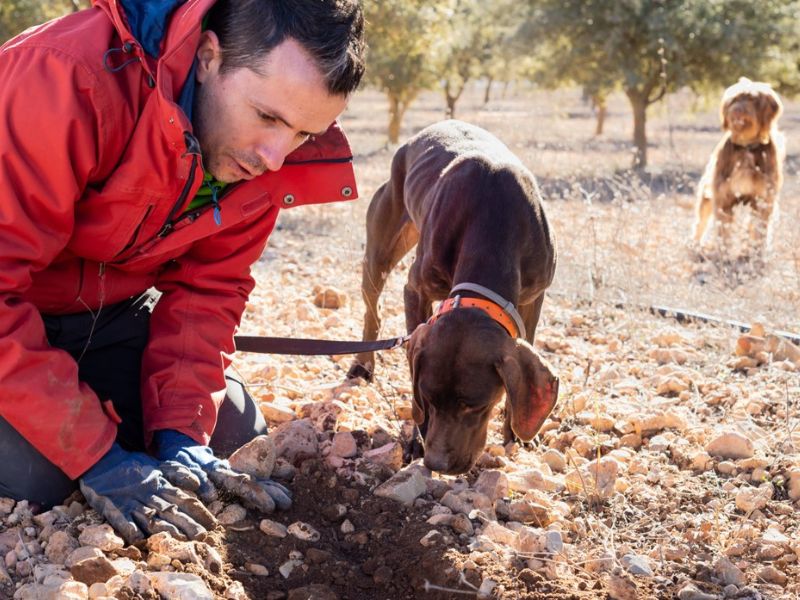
[
  {"x": 290, "y": 565},
  {"x": 492, "y": 483},
  {"x": 273, "y": 528},
  {"x": 180, "y": 586},
  {"x": 555, "y": 460},
  {"x": 404, "y": 486},
  {"x": 303, "y": 531},
  {"x": 690, "y": 592},
  {"x": 256, "y": 457},
  {"x": 101, "y": 536},
  {"x": 296, "y": 440}
]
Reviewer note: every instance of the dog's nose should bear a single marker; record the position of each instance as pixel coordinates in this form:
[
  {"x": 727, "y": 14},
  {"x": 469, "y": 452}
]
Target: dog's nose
[{"x": 441, "y": 463}]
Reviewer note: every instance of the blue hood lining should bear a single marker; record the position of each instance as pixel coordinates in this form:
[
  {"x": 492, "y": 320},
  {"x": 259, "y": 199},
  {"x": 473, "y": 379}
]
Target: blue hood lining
[{"x": 148, "y": 20}]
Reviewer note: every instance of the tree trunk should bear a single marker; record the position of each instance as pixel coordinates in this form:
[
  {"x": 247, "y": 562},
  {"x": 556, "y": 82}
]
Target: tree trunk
[
  {"x": 639, "y": 105},
  {"x": 601, "y": 109},
  {"x": 487, "y": 91},
  {"x": 451, "y": 98},
  {"x": 396, "y": 111}
]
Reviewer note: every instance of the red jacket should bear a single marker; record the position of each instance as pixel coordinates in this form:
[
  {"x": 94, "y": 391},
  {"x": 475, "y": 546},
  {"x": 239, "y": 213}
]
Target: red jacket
[{"x": 96, "y": 175}]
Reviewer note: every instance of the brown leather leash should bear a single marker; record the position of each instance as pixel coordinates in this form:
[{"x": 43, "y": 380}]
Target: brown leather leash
[{"x": 311, "y": 347}]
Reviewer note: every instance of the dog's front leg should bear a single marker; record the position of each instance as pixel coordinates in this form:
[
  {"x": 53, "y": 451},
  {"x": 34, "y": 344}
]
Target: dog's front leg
[{"x": 417, "y": 303}]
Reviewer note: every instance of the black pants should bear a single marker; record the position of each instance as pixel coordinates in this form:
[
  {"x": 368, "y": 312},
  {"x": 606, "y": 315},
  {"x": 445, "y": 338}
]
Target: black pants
[{"x": 110, "y": 363}]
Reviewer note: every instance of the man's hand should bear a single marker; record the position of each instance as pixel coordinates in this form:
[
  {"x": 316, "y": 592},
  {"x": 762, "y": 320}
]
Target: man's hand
[
  {"x": 261, "y": 494},
  {"x": 134, "y": 496}
]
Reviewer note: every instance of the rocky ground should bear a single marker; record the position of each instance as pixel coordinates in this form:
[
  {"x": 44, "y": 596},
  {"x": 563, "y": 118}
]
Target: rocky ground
[{"x": 669, "y": 468}]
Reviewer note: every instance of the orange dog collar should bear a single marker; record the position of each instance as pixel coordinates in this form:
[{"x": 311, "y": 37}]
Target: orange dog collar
[{"x": 487, "y": 306}]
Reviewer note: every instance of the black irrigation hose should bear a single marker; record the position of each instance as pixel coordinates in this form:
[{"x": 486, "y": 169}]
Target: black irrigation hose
[{"x": 685, "y": 316}]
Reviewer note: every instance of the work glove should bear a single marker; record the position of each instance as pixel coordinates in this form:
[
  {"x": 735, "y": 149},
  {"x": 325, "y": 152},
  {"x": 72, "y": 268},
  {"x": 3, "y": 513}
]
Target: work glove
[
  {"x": 260, "y": 494},
  {"x": 135, "y": 496}
]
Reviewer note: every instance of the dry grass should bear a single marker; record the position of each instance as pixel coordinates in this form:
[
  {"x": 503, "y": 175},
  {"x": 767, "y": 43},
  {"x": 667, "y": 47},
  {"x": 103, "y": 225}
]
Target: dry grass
[{"x": 622, "y": 239}]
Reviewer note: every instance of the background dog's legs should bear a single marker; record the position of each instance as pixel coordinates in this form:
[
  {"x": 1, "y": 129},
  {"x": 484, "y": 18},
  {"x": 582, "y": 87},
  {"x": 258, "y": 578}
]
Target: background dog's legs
[
  {"x": 386, "y": 222},
  {"x": 759, "y": 225},
  {"x": 724, "y": 218},
  {"x": 704, "y": 210}
]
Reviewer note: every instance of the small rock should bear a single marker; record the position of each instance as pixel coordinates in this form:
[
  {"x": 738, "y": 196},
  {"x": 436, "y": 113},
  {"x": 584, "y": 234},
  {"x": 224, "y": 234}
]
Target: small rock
[
  {"x": 621, "y": 587},
  {"x": 180, "y": 586},
  {"x": 290, "y": 565},
  {"x": 486, "y": 589},
  {"x": 329, "y": 297},
  {"x": 404, "y": 486},
  {"x": 296, "y": 440},
  {"x": 749, "y": 499},
  {"x": 344, "y": 445},
  {"x": 102, "y": 537},
  {"x": 637, "y": 565},
  {"x": 690, "y": 592},
  {"x": 233, "y": 513},
  {"x": 277, "y": 413},
  {"x": 390, "y": 454},
  {"x": 60, "y": 546},
  {"x": 731, "y": 445},
  {"x": 257, "y": 569},
  {"x": 303, "y": 531},
  {"x": 555, "y": 460},
  {"x": 256, "y": 457},
  {"x": 493, "y": 484},
  {"x": 97, "y": 569},
  {"x": 315, "y": 591},
  {"x": 729, "y": 573},
  {"x": 772, "y": 575},
  {"x": 273, "y": 528}
]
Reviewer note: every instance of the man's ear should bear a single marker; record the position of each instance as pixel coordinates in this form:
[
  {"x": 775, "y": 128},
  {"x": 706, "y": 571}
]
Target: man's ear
[
  {"x": 414, "y": 353},
  {"x": 209, "y": 55},
  {"x": 531, "y": 388}
]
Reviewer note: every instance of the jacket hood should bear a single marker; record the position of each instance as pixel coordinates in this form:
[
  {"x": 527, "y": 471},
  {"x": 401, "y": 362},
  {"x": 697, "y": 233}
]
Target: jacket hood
[{"x": 148, "y": 20}]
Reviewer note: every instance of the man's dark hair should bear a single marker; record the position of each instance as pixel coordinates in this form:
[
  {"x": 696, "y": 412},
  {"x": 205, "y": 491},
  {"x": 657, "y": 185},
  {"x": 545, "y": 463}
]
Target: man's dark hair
[{"x": 331, "y": 31}]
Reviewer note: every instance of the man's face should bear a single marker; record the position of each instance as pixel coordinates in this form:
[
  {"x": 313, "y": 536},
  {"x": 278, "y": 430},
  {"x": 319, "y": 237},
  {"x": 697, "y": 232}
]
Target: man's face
[{"x": 247, "y": 122}]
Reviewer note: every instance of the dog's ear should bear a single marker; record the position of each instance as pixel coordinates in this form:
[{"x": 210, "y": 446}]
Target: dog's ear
[
  {"x": 414, "y": 353},
  {"x": 723, "y": 114},
  {"x": 531, "y": 389},
  {"x": 769, "y": 108}
]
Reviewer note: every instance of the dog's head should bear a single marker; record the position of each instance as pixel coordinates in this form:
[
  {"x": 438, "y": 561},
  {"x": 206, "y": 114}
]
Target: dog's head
[
  {"x": 749, "y": 111},
  {"x": 460, "y": 367}
]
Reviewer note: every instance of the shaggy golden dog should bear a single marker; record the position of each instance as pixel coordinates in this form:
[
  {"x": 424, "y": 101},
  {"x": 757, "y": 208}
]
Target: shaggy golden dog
[{"x": 746, "y": 167}]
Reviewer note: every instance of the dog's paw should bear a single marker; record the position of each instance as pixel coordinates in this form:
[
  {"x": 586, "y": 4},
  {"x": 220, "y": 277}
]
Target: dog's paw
[{"x": 359, "y": 371}]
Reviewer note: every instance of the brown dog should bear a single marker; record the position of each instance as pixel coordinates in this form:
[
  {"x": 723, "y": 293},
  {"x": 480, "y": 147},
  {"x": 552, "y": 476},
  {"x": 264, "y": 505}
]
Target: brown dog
[
  {"x": 485, "y": 244},
  {"x": 746, "y": 167}
]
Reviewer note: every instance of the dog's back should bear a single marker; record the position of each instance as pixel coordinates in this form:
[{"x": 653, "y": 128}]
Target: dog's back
[{"x": 475, "y": 205}]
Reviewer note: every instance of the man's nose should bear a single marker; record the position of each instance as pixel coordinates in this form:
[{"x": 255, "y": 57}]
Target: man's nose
[{"x": 273, "y": 152}]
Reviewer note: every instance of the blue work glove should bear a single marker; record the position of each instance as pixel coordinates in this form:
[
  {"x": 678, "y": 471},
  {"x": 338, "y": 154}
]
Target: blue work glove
[
  {"x": 260, "y": 494},
  {"x": 134, "y": 495}
]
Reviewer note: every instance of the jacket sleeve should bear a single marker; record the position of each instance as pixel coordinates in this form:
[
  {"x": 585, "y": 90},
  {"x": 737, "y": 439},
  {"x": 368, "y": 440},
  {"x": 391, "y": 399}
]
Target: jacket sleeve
[
  {"x": 49, "y": 142},
  {"x": 192, "y": 327}
]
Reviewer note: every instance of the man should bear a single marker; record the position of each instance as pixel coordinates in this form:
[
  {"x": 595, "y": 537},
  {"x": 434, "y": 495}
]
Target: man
[{"x": 150, "y": 144}]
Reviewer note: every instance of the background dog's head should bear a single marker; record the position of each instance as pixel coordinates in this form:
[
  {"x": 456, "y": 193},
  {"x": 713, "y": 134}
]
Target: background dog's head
[
  {"x": 460, "y": 367},
  {"x": 749, "y": 111}
]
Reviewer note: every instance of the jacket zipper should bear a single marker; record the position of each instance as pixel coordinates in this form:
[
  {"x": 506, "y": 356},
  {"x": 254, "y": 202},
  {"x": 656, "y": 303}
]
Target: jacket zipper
[
  {"x": 135, "y": 233},
  {"x": 168, "y": 224}
]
